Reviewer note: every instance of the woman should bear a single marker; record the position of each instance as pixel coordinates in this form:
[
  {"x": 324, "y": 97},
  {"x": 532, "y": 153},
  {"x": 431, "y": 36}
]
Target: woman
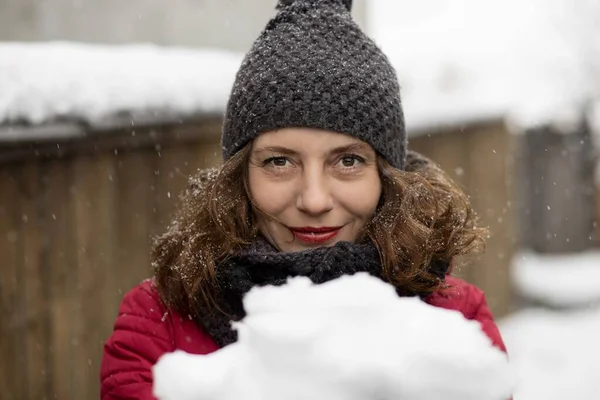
[{"x": 316, "y": 181}]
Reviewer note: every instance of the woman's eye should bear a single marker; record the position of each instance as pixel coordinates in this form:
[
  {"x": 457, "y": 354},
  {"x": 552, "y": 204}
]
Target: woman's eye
[
  {"x": 277, "y": 161},
  {"x": 351, "y": 161}
]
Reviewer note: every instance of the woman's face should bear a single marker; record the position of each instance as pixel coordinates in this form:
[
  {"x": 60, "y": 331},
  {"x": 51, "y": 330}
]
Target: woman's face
[{"x": 319, "y": 187}]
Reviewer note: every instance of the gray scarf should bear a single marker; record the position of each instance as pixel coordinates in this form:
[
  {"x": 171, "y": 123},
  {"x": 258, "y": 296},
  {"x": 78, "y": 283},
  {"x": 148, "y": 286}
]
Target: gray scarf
[{"x": 260, "y": 264}]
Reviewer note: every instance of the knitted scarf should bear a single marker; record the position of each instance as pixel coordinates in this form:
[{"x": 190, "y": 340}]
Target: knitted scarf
[{"x": 260, "y": 264}]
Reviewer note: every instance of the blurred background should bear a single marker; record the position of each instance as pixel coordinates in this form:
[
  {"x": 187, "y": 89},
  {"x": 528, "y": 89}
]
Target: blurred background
[{"x": 107, "y": 107}]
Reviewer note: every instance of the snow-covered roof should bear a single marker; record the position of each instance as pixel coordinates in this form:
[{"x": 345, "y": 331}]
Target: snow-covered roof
[
  {"x": 531, "y": 61},
  {"x": 458, "y": 62},
  {"x": 41, "y": 82}
]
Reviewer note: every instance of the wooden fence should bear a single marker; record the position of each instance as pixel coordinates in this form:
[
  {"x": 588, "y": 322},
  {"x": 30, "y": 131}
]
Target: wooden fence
[
  {"x": 74, "y": 238},
  {"x": 481, "y": 158},
  {"x": 558, "y": 189},
  {"x": 76, "y": 218}
]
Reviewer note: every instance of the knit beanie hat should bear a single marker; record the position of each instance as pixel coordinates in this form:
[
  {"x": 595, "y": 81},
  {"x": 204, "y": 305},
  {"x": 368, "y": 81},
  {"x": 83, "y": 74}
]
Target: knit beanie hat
[{"x": 313, "y": 67}]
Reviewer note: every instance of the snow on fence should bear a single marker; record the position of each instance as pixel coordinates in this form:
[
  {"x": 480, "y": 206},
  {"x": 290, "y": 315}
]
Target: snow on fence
[{"x": 43, "y": 82}]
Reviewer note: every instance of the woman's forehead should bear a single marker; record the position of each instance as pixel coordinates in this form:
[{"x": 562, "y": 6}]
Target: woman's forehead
[{"x": 306, "y": 139}]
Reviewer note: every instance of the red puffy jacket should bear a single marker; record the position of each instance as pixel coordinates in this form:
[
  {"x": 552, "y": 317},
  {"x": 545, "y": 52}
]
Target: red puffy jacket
[{"x": 145, "y": 330}]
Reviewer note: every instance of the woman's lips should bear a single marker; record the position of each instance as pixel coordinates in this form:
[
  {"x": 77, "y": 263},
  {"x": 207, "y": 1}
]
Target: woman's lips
[{"x": 311, "y": 235}]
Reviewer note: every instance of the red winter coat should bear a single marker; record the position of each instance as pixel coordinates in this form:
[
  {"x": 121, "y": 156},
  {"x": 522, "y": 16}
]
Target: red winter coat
[{"x": 145, "y": 330}]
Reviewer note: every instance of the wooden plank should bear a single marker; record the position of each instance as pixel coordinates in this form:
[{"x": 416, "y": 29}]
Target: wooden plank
[
  {"x": 12, "y": 322},
  {"x": 107, "y": 230},
  {"x": 173, "y": 166},
  {"x": 149, "y": 185},
  {"x": 491, "y": 166},
  {"x": 35, "y": 269},
  {"x": 62, "y": 282},
  {"x": 206, "y": 154},
  {"x": 81, "y": 213},
  {"x": 169, "y": 168},
  {"x": 560, "y": 195},
  {"x": 97, "y": 297},
  {"x": 449, "y": 150},
  {"x": 134, "y": 179},
  {"x": 479, "y": 158}
]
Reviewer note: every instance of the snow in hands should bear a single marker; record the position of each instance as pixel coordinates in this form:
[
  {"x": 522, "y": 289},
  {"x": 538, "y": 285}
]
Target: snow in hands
[{"x": 299, "y": 341}]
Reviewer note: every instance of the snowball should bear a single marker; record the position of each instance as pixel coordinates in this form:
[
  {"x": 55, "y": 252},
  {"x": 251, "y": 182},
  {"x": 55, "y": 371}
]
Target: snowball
[{"x": 351, "y": 338}]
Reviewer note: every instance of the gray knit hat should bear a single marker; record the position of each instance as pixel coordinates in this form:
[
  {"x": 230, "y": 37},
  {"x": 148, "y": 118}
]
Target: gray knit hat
[{"x": 313, "y": 67}]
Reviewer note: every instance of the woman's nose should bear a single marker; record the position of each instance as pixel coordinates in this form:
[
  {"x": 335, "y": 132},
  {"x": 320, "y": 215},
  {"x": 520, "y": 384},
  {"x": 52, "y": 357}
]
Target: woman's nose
[{"x": 314, "y": 196}]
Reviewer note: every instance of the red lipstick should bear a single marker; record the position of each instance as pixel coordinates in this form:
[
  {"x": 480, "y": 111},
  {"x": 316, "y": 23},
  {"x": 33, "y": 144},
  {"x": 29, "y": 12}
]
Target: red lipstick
[{"x": 313, "y": 235}]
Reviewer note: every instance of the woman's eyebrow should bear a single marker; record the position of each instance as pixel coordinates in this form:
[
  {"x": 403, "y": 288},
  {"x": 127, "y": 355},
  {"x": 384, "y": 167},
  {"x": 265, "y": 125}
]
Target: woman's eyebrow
[
  {"x": 350, "y": 148},
  {"x": 276, "y": 149}
]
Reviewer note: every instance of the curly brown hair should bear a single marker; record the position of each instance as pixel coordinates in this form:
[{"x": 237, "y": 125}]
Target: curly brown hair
[{"x": 422, "y": 216}]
